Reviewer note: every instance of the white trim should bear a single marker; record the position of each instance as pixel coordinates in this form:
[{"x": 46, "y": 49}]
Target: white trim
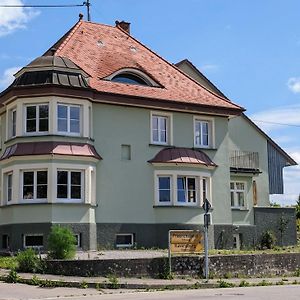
[
  {"x": 125, "y": 245},
  {"x": 37, "y": 119},
  {"x": 211, "y": 131},
  {"x": 173, "y": 175},
  {"x": 88, "y": 183},
  {"x": 169, "y": 129},
  {"x": 236, "y": 205}
]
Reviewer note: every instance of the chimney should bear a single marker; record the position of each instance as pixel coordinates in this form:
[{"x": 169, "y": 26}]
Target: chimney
[{"x": 123, "y": 25}]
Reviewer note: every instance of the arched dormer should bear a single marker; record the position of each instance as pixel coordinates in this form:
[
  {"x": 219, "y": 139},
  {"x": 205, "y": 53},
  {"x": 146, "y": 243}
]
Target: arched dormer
[{"x": 132, "y": 76}]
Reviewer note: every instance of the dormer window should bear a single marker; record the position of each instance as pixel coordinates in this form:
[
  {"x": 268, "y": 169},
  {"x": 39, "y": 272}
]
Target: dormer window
[
  {"x": 132, "y": 76},
  {"x": 129, "y": 78}
]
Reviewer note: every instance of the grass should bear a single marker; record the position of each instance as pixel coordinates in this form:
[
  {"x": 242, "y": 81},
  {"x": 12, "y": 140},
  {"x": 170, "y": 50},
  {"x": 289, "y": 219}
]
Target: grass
[{"x": 8, "y": 263}]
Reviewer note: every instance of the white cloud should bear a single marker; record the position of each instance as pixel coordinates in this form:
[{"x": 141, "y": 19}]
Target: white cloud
[
  {"x": 8, "y": 76},
  {"x": 272, "y": 119},
  {"x": 294, "y": 84},
  {"x": 14, "y": 18}
]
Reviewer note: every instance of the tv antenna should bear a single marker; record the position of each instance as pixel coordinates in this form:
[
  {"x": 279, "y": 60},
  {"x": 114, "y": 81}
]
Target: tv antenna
[{"x": 86, "y": 3}]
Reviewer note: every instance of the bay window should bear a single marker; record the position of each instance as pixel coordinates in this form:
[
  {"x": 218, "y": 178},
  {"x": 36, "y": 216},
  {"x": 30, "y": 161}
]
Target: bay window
[
  {"x": 35, "y": 185},
  {"x": 9, "y": 187},
  {"x": 181, "y": 189},
  {"x": 37, "y": 118},
  {"x": 68, "y": 119},
  {"x": 69, "y": 184}
]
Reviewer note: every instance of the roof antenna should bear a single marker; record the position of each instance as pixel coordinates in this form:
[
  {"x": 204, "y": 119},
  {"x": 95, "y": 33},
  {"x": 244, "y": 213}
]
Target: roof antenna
[
  {"x": 80, "y": 16},
  {"x": 88, "y": 4}
]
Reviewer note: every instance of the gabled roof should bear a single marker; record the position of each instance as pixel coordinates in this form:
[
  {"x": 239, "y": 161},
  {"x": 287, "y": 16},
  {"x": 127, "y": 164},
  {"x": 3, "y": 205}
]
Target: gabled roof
[
  {"x": 290, "y": 161},
  {"x": 100, "y": 50}
]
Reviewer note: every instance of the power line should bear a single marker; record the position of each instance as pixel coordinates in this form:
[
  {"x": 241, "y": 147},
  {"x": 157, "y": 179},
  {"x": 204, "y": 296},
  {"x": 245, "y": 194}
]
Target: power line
[
  {"x": 45, "y": 6},
  {"x": 275, "y": 123}
]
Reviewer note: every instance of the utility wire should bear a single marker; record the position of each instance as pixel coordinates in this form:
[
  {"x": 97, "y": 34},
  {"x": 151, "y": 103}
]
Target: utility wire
[
  {"x": 41, "y": 6},
  {"x": 275, "y": 123}
]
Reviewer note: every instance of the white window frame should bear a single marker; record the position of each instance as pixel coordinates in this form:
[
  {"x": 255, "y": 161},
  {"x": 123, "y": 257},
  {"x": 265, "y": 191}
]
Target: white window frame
[
  {"x": 199, "y": 176},
  {"x": 13, "y": 123},
  {"x": 211, "y": 130},
  {"x": 167, "y": 203},
  {"x": 37, "y": 118},
  {"x": 78, "y": 240},
  {"x": 235, "y": 191},
  {"x": 169, "y": 126},
  {"x": 32, "y": 234},
  {"x": 125, "y": 245},
  {"x": 197, "y": 190},
  {"x": 7, "y": 175},
  {"x": 34, "y": 199},
  {"x": 68, "y": 132},
  {"x": 69, "y": 199}
]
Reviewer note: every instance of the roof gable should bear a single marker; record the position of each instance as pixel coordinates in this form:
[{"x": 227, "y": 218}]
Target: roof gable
[{"x": 101, "y": 50}]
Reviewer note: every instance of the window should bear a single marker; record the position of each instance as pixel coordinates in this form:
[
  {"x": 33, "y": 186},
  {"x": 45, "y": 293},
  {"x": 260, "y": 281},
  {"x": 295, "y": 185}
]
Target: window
[
  {"x": 186, "y": 189},
  {"x": 5, "y": 241},
  {"x": 13, "y": 122},
  {"x": 9, "y": 187},
  {"x": 69, "y": 185},
  {"x": 37, "y": 118},
  {"x": 164, "y": 189},
  {"x": 35, "y": 184},
  {"x": 202, "y": 133},
  {"x": 124, "y": 240},
  {"x": 237, "y": 194},
  {"x": 129, "y": 79},
  {"x": 68, "y": 119},
  {"x": 181, "y": 190},
  {"x": 77, "y": 237},
  {"x": 160, "y": 129},
  {"x": 33, "y": 241}
]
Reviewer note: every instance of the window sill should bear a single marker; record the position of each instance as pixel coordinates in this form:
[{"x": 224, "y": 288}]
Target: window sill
[
  {"x": 75, "y": 137},
  {"x": 162, "y": 145},
  {"x": 178, "y": 206},
  {"x": 240, "y": 208},
  {"x": 204, "y": 148},
  {"x": 49, "y": 203}
]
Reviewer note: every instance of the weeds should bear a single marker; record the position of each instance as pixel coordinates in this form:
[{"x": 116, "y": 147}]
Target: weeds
[{"x": 225, "y": 284}]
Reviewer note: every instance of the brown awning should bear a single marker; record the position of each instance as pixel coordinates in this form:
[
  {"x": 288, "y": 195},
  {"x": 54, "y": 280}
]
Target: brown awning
[
  {"x": 182, "y": 156},
  {"x": 52, "y": 148}
]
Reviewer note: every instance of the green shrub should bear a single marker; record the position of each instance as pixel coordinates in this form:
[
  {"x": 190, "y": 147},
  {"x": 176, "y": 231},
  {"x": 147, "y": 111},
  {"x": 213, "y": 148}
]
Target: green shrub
[
  {"x": 12, "y": 277},
  {"x": 28, "y": 261},
  {"x": 268, "y": 240},
  {"x": 61, "y": 243}
]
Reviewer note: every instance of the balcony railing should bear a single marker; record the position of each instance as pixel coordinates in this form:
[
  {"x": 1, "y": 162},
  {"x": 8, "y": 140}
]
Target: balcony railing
[{"x": 244, "y": 160}]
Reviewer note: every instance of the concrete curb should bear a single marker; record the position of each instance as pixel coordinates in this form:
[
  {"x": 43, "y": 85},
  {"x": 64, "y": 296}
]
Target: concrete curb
[{"x": 99, "y": 283}]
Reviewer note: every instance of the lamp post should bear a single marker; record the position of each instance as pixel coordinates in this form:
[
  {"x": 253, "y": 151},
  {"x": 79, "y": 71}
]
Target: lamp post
[{"x": 206, "y": 206}]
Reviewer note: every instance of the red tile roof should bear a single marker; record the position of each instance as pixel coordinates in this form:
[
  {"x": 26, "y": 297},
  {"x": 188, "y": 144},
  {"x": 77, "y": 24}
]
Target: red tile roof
[
  {"x": 100, "y": 50},
  {"x": 53, "y": 148},
  {"x": 182, "y": 155}
]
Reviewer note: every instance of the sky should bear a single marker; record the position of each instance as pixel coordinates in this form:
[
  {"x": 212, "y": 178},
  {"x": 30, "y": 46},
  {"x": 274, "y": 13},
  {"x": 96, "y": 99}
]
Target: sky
[{"x": 248, "y": 48}]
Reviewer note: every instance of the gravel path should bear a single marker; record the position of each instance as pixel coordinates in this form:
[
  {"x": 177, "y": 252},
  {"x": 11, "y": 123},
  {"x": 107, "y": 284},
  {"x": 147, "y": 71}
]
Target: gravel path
[{"x": 121, "y": 254}]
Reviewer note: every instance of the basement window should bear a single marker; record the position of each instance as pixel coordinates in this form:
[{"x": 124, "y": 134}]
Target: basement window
[
  {"x": 125, "y": 240},
  {"x": 33, "y": 241}
]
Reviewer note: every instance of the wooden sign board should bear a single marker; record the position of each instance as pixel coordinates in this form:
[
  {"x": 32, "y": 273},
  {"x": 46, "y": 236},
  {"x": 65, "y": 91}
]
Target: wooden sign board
[{"x": 185, "y": 241}]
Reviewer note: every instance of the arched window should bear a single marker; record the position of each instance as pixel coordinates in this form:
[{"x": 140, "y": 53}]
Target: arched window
[{"x": 129, "y": 78}]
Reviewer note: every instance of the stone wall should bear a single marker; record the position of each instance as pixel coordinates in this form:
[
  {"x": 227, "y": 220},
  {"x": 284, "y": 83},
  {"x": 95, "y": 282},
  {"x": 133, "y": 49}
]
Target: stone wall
[
  {"x": 272, "y": 218},
  {"x": 236, "y": 265}
]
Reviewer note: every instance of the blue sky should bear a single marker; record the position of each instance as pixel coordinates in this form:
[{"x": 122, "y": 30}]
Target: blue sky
[{"x": 248, "y": 48}]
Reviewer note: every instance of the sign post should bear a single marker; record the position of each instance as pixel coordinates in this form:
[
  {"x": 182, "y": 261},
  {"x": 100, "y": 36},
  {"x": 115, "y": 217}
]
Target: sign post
[
  {"x": 206, "y": 206},
  {"x": 183, "y": 242}
]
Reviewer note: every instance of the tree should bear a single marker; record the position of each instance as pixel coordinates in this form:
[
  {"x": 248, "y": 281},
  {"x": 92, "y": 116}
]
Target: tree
[
  {"x": 298, "y": 208},
  {"x": 61, "y": 243}
]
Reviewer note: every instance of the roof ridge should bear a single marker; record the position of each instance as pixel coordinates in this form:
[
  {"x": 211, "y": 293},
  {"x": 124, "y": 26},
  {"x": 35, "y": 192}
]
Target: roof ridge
[
  {"x": 68, "y": 37},
  {"x": 174, "y": 67}
]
